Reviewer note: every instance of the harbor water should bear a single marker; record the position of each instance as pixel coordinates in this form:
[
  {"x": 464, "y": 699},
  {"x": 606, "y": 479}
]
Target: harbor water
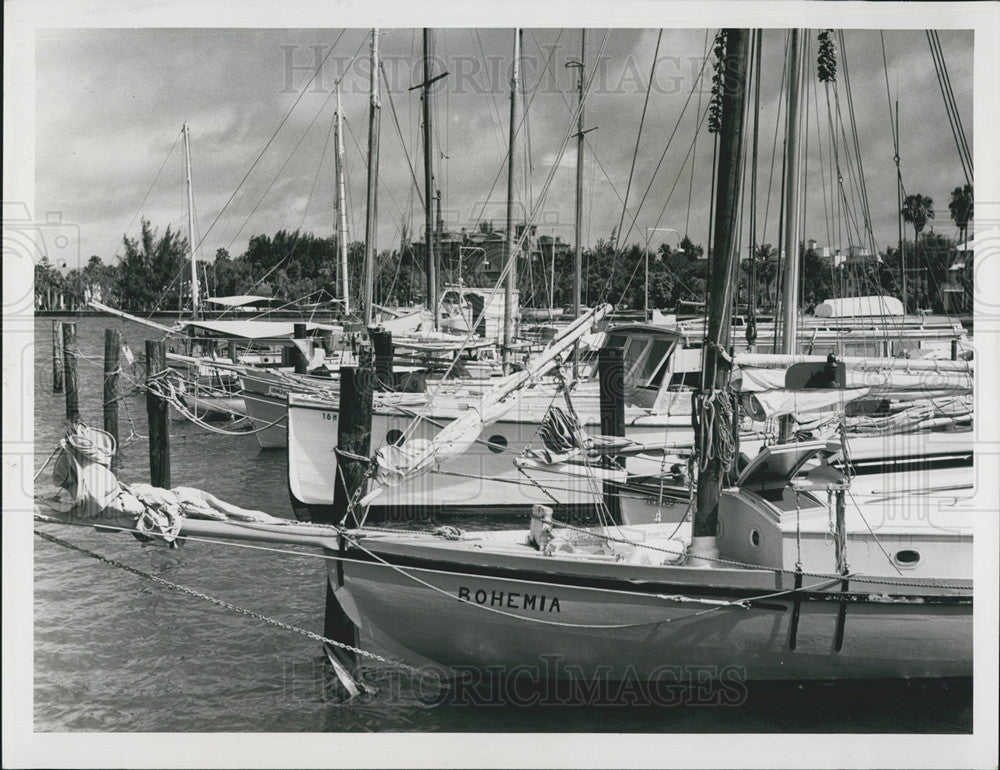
[{"x": 118, "y": 652}]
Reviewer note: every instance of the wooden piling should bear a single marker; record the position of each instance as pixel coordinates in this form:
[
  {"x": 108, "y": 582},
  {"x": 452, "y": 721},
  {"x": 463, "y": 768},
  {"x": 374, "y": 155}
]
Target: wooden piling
[
  {"x": 69, "y": 363},
  {"x": 954, "y": 350},
  {"x": 354, "y": 434},
  {"x": 57, "y": 357},
  {"x": 611, "y": 372},
  {"x": 233, "y": 352},
  {"x": 382, "y": 344},
  {"x": 158, "y": 413},
  {"x": 112, "y": 346},
  {"x": 301, "y": 362}
]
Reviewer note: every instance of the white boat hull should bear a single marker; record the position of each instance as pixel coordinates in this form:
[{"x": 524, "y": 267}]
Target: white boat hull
[{"x": 483, "y": 477}]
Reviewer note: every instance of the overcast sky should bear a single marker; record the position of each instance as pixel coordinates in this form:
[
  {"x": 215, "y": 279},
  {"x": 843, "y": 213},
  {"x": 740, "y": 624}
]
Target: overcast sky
[{"x": 110, "y": 105}]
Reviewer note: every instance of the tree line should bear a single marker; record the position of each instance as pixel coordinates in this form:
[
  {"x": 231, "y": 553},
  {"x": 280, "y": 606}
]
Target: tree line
[{"x": 153, "y": 273}]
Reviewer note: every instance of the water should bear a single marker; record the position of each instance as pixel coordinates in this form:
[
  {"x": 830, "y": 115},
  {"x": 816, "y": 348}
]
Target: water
[{"x": 116, "y": 652}]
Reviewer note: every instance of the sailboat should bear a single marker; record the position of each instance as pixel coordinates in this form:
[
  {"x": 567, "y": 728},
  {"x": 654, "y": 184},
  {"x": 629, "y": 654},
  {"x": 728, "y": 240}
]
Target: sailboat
[{"x": 776, "y": 578}]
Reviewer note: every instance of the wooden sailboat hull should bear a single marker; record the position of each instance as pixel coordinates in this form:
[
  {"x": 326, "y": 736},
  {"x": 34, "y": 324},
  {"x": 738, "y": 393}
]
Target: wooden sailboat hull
[{"x": 616, "y": 626}]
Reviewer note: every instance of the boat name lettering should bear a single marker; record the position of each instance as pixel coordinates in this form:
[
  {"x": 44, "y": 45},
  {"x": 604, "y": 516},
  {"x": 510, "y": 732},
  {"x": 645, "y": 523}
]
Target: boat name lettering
[
  {"x": 510, "y": 599},
  {"x": 329, "y": 416},
  {"x": 276, "y": 390}
]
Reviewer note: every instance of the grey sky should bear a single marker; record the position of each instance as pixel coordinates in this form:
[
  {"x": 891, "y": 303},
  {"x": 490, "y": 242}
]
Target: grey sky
[{"x": 110, "y": 104}]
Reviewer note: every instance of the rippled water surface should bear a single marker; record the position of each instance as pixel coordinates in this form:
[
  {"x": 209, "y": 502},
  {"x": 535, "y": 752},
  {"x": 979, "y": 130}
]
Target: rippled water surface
[{"x": 116, "y": 652}]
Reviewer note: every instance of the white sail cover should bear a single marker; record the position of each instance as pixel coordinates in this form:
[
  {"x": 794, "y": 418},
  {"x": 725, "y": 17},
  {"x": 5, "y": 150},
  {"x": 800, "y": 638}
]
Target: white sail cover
[
  {"x": 860, "y": 307},
  {"x": 765, "y": 395},
  {"x": 456, "y": 437}
]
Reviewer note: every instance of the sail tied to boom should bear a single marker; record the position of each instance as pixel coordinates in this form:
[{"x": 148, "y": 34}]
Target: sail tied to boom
[{"x": 395, "y": 464}]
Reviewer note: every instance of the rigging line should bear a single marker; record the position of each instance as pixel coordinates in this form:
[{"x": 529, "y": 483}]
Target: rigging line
[
  {"x": 319, "y": 167},
  {"x": 822, "y": 170},
  {"x": 945, "y": 85},
  {"x": 687, "y": 217},
  {"x": 570, "y": 132},
  {"x": 663, "y": 209},
  {"x": 498, "y": 135},
  {"x": 866, "y": 207},
  {"x": 888, "y": 96},
  {"x": 145, "y": 197},
  {"x": 399, "y": 133},
  {"x": 638, "y": 136},
  {"x": 621, "y": 238},
  {"x": 951, "y": 107},
  {"x": 752, "y": 265},
  {"x": 288, "y": 114},
  {"x": 774, "y": 147},
  {"x": 517, "y": 132},
  {"x": 590, "y": 148},
  {"x": 398, "y": 210},
  {"x": 278, "y": 173}
]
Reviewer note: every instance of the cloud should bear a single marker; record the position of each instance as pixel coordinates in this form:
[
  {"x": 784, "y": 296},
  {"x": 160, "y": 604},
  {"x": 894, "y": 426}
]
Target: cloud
[{"x": 110, "y": 104}]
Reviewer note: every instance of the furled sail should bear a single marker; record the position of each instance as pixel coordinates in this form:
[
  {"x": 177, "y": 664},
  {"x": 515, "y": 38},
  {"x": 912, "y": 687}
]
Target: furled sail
[
  {"x": 762, "y": 381},
  {"x": 395, "y": 464}
]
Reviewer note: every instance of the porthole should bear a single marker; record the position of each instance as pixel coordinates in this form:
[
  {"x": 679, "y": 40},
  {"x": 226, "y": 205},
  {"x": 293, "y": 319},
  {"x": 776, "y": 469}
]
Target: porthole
[
  {"x": 395, "y": 436},
  {"x": 907, "y": 558},
  {"x": 755, "y": 538},
  {"x": 497, "y": 443}
]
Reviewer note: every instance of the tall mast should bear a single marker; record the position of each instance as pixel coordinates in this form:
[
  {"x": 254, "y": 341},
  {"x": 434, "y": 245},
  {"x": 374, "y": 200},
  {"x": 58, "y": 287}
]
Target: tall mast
[
  {"x": 724, "y": 260},
  {"x": 899, "y": 210},
  {"x": 511, "y": 267},
  {"x": 190, "y": 218},
  {"x": 430, "y": 263},
  {"x": 578, "y": 219},
  {"x": 791, "y": 234},
  {"x": 368, "y": 284},
  {"x": 344, "y": 287}
]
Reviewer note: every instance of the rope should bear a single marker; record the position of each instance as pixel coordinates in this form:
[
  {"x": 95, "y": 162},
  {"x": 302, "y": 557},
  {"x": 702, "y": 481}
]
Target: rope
[{"x": 716, "y": 604}]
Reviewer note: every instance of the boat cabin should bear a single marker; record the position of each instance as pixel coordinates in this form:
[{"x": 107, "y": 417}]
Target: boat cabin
[
  {"x": 659, "y": 362},
  {"x": 781, "y": 512}
]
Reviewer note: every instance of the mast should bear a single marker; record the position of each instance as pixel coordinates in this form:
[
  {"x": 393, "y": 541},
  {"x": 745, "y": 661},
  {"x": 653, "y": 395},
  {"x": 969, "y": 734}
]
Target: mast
[
  {"x": 344, "y": 287},
  {"x": 790, "y": 236},
  {"x": 430, "y": 264},
  {"x": 190, "y": 218},
  {"x": 578, "y": 220},
  {"x": 368, "y": 283},
  {"x": 724, "y": 260},
  {"x": 899, "y": 210},
  {"x": 510, "y": 284}
]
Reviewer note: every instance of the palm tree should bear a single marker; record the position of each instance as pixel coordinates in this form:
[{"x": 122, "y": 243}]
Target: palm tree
[
  {"x": 917, "y": 210},
  {"x": 961, "y": 209}
]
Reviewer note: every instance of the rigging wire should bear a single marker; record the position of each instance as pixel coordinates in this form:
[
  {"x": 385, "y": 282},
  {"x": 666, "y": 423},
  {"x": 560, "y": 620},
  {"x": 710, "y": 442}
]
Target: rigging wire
[{"x": 267, "y": 144}]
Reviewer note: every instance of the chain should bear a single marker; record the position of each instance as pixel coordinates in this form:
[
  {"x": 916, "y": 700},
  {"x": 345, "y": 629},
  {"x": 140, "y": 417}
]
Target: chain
[{"x": 230, "y": 606}]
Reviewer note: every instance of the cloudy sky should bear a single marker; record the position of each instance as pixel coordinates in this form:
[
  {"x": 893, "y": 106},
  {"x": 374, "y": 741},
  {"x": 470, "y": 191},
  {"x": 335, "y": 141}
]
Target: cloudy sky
[{"x": 110, "y": 104}]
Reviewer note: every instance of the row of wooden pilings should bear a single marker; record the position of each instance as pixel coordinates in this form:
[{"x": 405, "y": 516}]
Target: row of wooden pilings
[
  {"x": 357, "y": 386},
  {"x": 354, "y": 426}
]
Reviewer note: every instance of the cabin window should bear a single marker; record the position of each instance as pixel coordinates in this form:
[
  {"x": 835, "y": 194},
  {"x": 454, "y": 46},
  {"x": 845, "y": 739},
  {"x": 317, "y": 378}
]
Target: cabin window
[
  {"x": 634, "y": 349},
  {"x": 755, "y": 538},
  {"x": 907, "y": 558},
  {"x": 395, "y": 436},
  {"x": 497, "y": 443},
  {"x": 656, "y": 363}
]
